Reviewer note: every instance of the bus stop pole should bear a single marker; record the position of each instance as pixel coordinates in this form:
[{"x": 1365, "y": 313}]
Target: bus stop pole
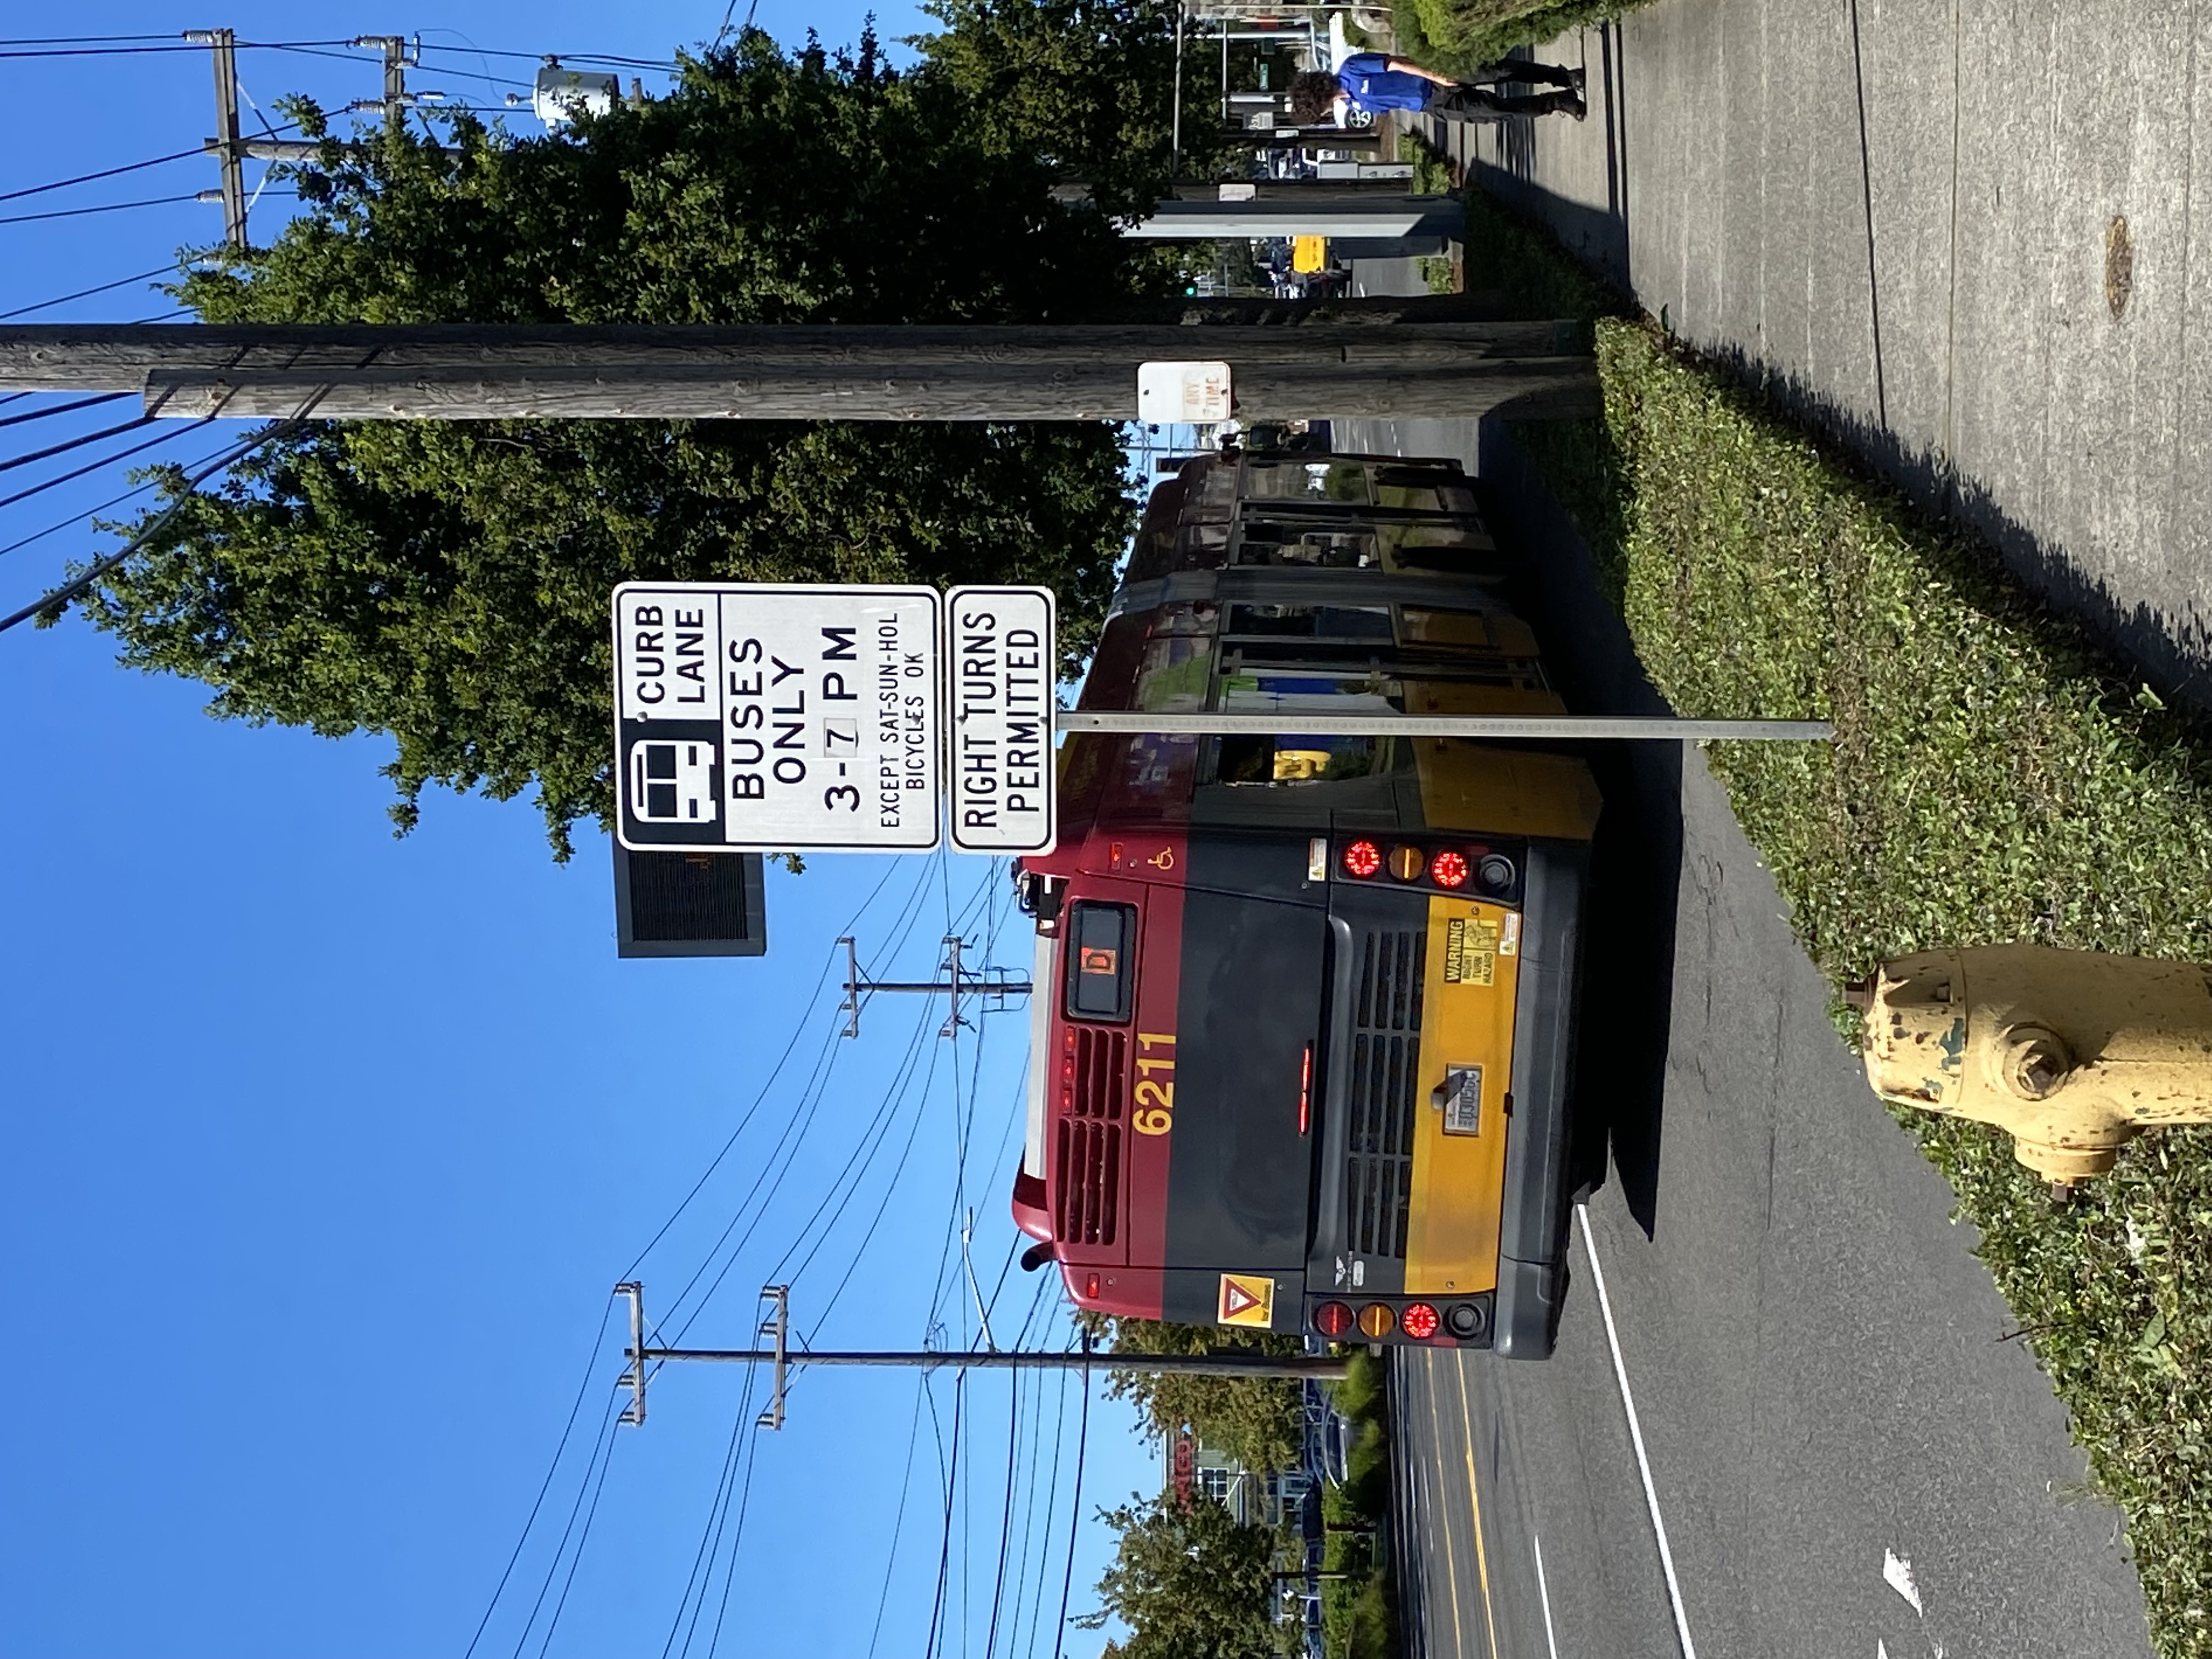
[{"x": 1633, "y": 727}]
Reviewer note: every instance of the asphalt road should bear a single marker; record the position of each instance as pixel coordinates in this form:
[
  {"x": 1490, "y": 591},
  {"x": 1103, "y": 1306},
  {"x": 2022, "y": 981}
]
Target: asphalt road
[{"x": 1825, "y": 1380}]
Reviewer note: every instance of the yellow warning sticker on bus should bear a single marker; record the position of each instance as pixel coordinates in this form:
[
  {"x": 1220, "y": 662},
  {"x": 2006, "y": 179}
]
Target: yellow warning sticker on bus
[
  {"x": 1246, "y": 1299},
  {"x": 1471, "y": 951}
]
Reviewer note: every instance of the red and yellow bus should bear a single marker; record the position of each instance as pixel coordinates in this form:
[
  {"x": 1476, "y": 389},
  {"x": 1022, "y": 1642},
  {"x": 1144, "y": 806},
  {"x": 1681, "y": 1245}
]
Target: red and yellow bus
[{"x": 1303, "y": 1032}]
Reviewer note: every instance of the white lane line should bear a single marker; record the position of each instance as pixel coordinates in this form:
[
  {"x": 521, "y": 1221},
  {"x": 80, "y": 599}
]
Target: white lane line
[
  {"x": 1636, "y": 1439},
  {"x": 1544, "y": 1593}
]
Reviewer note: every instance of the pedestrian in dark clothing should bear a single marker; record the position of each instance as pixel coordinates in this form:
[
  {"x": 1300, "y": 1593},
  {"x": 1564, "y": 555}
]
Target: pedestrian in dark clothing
[{"x": 1369, "y": 81}]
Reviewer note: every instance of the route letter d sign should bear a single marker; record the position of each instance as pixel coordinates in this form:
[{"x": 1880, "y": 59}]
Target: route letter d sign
[
  {"x": 1000, "y": 659},
  {"x": 761, "y": 717}
]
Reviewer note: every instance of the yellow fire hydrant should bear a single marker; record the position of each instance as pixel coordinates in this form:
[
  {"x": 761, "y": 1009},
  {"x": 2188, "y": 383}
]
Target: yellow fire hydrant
[{"x": 2074, "y": 1053}]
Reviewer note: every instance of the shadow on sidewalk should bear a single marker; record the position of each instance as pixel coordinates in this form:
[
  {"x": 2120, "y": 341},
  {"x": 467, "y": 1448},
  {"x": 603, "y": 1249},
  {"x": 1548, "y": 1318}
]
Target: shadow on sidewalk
[
  {"x": 1597, "y": 236},
  {"x": 1628, "y": 939},
  {"x": 2173, "y": 658}
]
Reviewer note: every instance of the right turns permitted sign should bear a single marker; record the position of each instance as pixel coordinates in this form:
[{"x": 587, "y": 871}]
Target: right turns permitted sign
[{"x": 1000, "y": 656}]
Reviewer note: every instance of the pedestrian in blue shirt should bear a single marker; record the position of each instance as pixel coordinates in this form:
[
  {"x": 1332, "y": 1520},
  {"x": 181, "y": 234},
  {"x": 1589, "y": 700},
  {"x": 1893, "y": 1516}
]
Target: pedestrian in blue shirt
[{"x": 1369, "y": 81}]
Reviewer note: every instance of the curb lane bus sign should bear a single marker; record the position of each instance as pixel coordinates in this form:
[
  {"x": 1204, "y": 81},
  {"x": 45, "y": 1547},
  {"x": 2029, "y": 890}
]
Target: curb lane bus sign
[
  {"x": 763, "y": 717},
  {"x": 1000, "y": 654}
]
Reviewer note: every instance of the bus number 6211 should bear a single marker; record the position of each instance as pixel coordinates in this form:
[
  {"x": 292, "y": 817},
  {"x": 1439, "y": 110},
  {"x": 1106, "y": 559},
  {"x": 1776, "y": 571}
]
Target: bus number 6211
[{"x": 1155, "y": 1113}]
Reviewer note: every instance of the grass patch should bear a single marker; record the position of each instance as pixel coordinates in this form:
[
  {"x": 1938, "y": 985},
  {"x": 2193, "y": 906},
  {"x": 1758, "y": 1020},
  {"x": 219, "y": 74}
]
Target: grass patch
[
  {"x": 1360, "y": 1615},
  {"x": 1997, "y": 776},
  {"x": 1457, "y": 36}
]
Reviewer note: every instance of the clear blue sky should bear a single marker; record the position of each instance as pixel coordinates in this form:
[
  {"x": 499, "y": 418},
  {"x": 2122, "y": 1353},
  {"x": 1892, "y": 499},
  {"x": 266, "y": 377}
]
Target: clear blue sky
[{"x": 323, "y": 1148}]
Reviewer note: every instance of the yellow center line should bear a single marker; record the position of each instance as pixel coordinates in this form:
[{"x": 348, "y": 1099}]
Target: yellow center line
[
  {"x": 1474, "y": 1492},
  {"x": 1451, "y": 1566}
]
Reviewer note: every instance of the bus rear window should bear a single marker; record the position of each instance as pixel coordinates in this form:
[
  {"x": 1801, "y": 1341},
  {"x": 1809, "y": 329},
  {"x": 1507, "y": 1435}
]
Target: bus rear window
[{"x": 1099, "y": 968}]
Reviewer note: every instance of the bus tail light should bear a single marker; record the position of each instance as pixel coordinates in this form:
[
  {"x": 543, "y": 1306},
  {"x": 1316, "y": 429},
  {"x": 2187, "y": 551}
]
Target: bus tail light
[
  {"x": 1377, "y": 1320},
  {"x": 1407, "y": 863},
  {"x": 1419, "y": 1321},
  {"x": 1305, "y": 1090},
  {"x": 1448, "y": 869},
  {"x": 1362, "y": 859},
  {"x": 1090, "y": 1285},
  {"x": 1496, "y": 872},
  {"x": 1332, "y": 1318}
]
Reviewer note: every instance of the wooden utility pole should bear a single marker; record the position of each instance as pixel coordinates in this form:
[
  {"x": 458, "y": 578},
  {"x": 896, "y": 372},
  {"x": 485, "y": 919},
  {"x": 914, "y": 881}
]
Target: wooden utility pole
[
  {"x": 783, "y": 1357},
  {"x": 459, "y": 372}
]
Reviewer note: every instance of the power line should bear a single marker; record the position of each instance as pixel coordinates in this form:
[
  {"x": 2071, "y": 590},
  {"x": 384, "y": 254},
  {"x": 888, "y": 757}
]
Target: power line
[
  {"x": 105, "y": 460},
  {"x": 565, "y": 56},
  {"x": 1029, "y": 1516},
  {"x": 119, "y": 50},
  {"x": 591, "y": 1365},
  {"x": 86, "y": 293},
  {"x": 582, "y": 1538},
  {"x": 1006, "y": 1514},
  {"x": 603, "y": 1442},
  {"x": 737, "y": 1538},
  {"x": 108, "y": 173},
  {"x": 798, "y": 1030},
  {"x": 1075, "y": 1507},
  {"x": 76, "y": 518},
  {"x": 906, "y": 1483},
  {"x": 62, "y": 409},
  {"x": 951, "y": 1486},
  {"x": 77, "y": 442},
  {"x": 69, "y": 591},
  {"x": 106, "y": 207},
  {"x": 710, "y": 1530}
]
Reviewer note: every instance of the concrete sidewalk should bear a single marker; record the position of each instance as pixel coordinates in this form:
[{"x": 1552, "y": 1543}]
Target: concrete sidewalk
[{"x": 1898, "y": 218}]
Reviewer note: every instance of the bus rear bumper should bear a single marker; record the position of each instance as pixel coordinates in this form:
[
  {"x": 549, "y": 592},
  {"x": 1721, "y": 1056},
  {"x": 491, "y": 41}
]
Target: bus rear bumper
[{"x": 1532, "y": 1256}]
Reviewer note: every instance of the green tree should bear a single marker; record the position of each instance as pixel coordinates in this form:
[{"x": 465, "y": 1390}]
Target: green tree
[
  {"x": 1258, "y": 1420},
  {"x": 1088, "y": 83},
  {"x": 447, "y": 584},
  {"x": 1190, "y": 1581}
]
